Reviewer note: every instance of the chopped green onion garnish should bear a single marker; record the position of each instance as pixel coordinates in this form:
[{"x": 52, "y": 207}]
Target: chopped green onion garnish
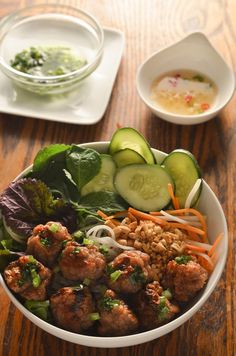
[
  {"x": 162, "y": 301},
  {"x": 94, "y": 316},
  {"x": 115, "y": 275},
  {"x": 45, "y": 241},
  {"x": 183, "y": 260},
  {"x": 36, "y": 280},
  {"x": 108, "y": 303},
  {"x": 76, "y": 250},
  {"x": 167, "y": 293},
  {"x": 78, "y": 235},
  {"x": 54, "y": 228},
  {"x": 163, "y": 313},
  {"x": 87, "y": 241},
  {"x": 104, "y": 249}
]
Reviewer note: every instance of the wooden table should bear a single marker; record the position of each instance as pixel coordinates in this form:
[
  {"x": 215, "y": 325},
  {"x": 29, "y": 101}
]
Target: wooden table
[{"x": 148, "y": 25}]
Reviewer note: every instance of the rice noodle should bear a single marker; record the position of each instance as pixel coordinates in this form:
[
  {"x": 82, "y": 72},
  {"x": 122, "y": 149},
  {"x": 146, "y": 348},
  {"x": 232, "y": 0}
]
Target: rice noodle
[
  {"x": 98, "y": 229},
  {"x": 173, "y": 217},
  {"x": 207, "y": 247},
  {"x": 114, "y": 248},
  {"x": 189, "y": 219},
  {"x": 192, "y": 193}
]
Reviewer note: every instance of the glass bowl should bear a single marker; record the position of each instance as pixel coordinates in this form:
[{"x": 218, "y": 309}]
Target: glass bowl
[{"x": 50, "y": 25}]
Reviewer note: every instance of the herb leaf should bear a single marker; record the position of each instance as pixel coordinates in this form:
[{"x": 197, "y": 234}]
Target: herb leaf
[
  {"x": 83, "y": 164},
  {"x": 107, "y": 303}
]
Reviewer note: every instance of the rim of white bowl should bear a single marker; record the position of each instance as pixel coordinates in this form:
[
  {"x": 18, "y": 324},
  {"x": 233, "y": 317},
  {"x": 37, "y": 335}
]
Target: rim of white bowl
[{"x": 134, "y": 339}]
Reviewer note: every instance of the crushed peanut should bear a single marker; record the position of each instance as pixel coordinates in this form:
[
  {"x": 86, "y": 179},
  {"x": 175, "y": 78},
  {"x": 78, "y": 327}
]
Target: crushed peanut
[{"x": 161, "y": 243}]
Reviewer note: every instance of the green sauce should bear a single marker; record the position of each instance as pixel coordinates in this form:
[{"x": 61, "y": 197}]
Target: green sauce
[{"x": 47, "y": 61}]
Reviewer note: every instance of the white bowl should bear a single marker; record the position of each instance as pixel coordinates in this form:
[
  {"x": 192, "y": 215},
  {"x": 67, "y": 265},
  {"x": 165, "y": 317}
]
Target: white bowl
[
  {"x": 196, "y": 53},
  {"x": 211, "y": 207}
]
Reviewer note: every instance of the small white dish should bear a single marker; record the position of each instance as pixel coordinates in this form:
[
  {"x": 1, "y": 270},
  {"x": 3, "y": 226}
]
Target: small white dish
[
  {"x": 86, "y": 105},
  {"x": 195, "y": 53}
]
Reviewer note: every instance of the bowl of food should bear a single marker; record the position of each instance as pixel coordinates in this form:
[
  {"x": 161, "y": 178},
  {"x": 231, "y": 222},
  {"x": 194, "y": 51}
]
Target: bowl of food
[
  {"x": 96, "y": 236},
  {"x": 186, "y": 83},
  {"x": 50, "y": 49}
]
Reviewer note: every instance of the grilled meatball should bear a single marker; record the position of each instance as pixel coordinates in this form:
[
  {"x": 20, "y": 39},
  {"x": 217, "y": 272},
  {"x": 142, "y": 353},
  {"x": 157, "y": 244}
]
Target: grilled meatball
[
  {"x": 47, "y": 241},
  {"x": 129, "y": 271},
  {"x": 72, "y": 307},
  {"x": 28, "y": 277},
  {"x": 116, "y": 318},
  {"x": 184, "y": 279},
  {"x": 153, "y": 308},
  {"x": 79, "y": 262}
]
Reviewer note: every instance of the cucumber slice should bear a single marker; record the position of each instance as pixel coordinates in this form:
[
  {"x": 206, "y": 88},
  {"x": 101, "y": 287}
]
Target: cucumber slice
[
  {"x": 127, "y": 156},
  {"x": 104, "y": 179},
  {"x": 144, "y": 186},
  {"x": 127, "y": 137},
  {"x": 184, "y": 169}
]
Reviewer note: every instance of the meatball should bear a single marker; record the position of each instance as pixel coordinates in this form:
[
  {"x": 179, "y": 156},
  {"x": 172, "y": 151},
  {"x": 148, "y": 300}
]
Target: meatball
[
  {"x": 152, "y": 307},
  {"x": 28, "y": 277},
  {"x": 72, "y": 307},
  {"x": 46, "y": 242},
  {"x": 116, "y": 318},
  {"x": 79, "y": 262},
  {"x": 129, "y": 271},
  {"x": 184, "y": 279}
]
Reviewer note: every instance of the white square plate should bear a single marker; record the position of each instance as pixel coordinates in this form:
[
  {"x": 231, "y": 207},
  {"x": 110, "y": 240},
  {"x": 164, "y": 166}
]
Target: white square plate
[{"x": 86, "y": 105}]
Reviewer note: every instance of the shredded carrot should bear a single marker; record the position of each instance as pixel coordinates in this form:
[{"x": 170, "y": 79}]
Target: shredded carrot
[
  {"x": 186, "y": 227},
  {"x": 118, "y": 214},
  {"x": 102, "y": 214},
  {"x": 107, "y": 218},
  {"x": 145, "y": 216},
  {"x": 195, "y": 248},
  {"x": 131, "y": 216},
  {"x": 216, "y": 243},
  {"x": 118, "y": 125},
  {"x": 173, "y": 198},
  {"x": 205, "y": 264},
  {"x": 193, "y": 236},
  {"x": 187, "y": 211}
]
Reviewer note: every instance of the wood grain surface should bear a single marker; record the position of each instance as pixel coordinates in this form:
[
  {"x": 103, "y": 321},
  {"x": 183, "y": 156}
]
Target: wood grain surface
[{"x": 148, "y": 25}]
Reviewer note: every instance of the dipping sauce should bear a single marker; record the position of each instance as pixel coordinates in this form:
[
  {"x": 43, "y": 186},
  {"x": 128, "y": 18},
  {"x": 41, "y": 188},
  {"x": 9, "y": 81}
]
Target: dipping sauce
[
  {"x": 47, "y": 60},
  {"x": 184, "y": 92}
]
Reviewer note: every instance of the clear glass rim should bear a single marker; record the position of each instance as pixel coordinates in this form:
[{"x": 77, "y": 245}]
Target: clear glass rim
[{"x": 54, "y": 78}]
